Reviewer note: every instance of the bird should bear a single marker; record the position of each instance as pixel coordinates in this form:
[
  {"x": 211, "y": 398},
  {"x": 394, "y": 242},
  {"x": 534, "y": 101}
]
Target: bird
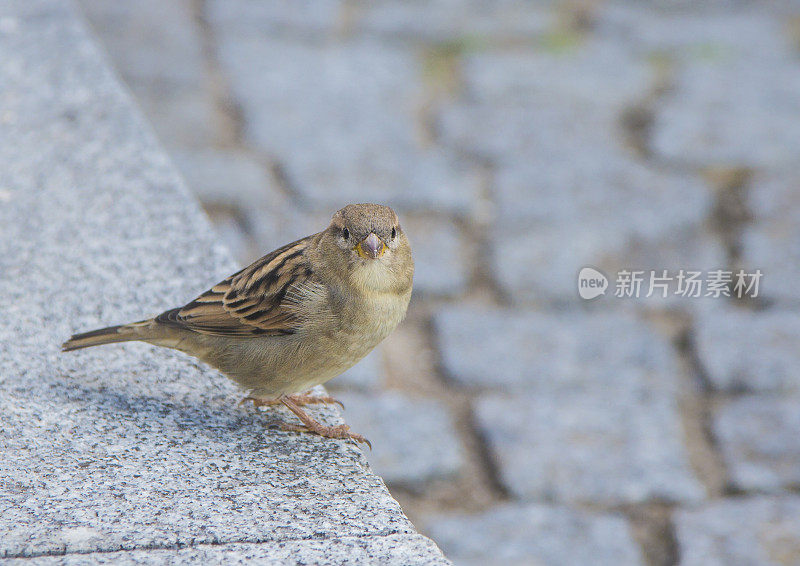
[{"x": 295, "y": 318}]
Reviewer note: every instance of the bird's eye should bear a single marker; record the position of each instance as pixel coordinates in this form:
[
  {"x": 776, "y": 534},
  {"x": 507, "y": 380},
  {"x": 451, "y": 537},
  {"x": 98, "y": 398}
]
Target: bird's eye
[
  {"x": 345, "y": 233},
  {"x": 394, "y": 233}
]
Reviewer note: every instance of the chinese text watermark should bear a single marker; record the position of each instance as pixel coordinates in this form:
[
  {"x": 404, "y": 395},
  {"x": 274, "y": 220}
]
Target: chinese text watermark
[{"x": 663, "y": 283}]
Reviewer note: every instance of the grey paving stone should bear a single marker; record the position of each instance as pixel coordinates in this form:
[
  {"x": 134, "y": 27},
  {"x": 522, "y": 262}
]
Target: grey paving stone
[
  {"x": 731, "y": 112},
  {"x": 531, "y": 104},
  {"x": 687, "y": 31},
  {"x": 341, "y": 118},
  {"x": 390, "y": 549},
  {"x": 563, "y": 219},
  {"x": 735, "y": 89},
  {"x": 532, "y": 113},
  {"x": 181, "y": 117},
  {"x": 548, "y": 353},
  {"x": 150, "y": 41},
  {"x": 774, "y": 248},
  {"x": 439, "y": 258},
  {"x": 772, "y": 194},
  {"x": 559, "y": 254},
  {"x": 232, "y": 235},
  {"x": 225, "y": 177},
  {"x": 772, "y": 241},
  {"x": 755, "y": 530},
  {"x": 413, "y": 439},
  {"x": 760, "y": 441},
  {"x": 610, "y": 447},
  {"x": 367, "y": 375},
  {"x": 536, "y": 534},
  {"x": 521, "y": 136},
  {"x": 278, "y": 18},
  {"x": 468, "y": 21},
  {"x": 749, "y": 351},
  {"x": 592, "y": 191},
  {"x": 128, "y": 447},
  {"x": 156, "y": 47},
  {"x": 597, "y": 71}
]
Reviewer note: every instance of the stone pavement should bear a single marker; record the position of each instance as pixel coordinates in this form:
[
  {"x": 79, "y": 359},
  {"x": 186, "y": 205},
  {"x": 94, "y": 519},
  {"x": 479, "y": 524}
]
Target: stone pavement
[
  {"x": 520, "y": 142},
  {"x": 132, "y": 454}
]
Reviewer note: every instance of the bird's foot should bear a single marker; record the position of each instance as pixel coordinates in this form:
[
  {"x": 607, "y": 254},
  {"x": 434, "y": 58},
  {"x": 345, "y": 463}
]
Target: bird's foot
[
  {"x": 300, "y": 400},
  {"x": 309, "y": 399},
  {"x": 340, "y": 432},
  {"x": 310, "y": 425}
]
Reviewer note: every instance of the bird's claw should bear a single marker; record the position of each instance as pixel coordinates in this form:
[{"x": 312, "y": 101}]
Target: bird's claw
[
  {"x": 308, "y": 399},
  {"x": 338, "y": 432}
]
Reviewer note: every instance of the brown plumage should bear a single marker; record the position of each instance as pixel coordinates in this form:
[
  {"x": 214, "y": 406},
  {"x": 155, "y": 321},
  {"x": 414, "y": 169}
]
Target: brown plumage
[{"x": 295, "y": 318}]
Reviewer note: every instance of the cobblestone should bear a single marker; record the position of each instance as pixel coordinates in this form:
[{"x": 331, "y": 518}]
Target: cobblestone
[
  {"x": 752, "y": 530},
  {"x": 439, "y": 258},
  {"x": 366, "y": 375},
  {"x": 588, "y": 196},
  {"x": 724, "y": 30},
  {"x": 773, "y": 195},
  {"x": 760, "y": 441},
  {"x": 467, "y": 21},
  {"x": 181, "y": 118},
  {"x": 531, "y": 112},
  {"x": 594, "y": 72},
  {"x": 229, "y": 230},
  {"x": 153, "y": 42},
  {"x": 536, "y": 534},
  {"x": 322, "y": 111},
  {"x": 548, "y": 353},
  {"x": 514, "y": 110},
  {"x": 734, "y": 89},
  {"x": 608, "y": 448},
  {"x": 750, "y": 351},
  {"x": 774, "y": 248},
  {"x": 567, "y": 218},
  {"x": 732, "y": 112},
  {"x": 224, "y": 177},
  {"x": 565, "y": 250},
  {"x": 156, "y": 47},
  {"x": 413, "y": 439},
  {"x": 772, "y": 241},
  {"x": 276, "y": 18}
]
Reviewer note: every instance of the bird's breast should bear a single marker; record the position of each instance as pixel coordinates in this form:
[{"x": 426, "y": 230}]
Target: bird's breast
[{"x": 376, "y": 314}]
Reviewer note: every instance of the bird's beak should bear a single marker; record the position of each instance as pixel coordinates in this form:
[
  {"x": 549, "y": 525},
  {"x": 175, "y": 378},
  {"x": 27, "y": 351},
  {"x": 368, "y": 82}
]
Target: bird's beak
[{"x": 371, "y": 247}]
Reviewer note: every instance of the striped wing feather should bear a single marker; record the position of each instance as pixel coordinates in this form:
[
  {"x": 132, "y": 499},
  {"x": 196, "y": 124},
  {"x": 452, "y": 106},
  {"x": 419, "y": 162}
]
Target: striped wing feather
[{"x": 252, "y": 302}]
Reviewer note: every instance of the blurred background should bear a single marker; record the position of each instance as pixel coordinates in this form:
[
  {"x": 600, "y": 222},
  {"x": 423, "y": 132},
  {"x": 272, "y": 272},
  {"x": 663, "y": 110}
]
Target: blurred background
[{"x": 519, "y": 142}]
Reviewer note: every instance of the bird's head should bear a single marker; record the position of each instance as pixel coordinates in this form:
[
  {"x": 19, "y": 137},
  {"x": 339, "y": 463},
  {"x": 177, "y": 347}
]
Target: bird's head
[{"x": 371, "y": 247}]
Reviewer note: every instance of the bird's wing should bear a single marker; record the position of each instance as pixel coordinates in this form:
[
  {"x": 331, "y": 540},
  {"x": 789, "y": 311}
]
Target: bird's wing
[{"x": 259, "y": 300}]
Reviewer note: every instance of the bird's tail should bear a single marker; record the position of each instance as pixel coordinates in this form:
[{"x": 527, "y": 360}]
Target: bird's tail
[{"x": 122, "y": 333}]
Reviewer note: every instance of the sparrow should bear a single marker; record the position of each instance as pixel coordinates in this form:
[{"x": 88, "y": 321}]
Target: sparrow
[{"x": 295, "y": 318}]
